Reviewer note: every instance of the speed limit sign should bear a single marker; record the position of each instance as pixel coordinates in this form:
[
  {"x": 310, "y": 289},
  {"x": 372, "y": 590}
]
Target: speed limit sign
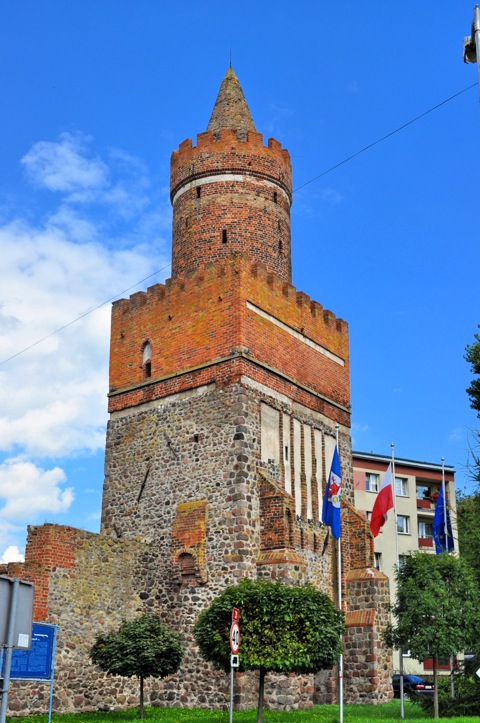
[{"x": 235, "y": 638}]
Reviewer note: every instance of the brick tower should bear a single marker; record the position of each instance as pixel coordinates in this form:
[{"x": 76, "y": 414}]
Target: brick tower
[{"x": 227, "y": 386}]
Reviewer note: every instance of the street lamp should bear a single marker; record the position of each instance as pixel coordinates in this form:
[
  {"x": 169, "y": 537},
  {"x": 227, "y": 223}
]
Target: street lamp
[{"x": 471, "y": 44}]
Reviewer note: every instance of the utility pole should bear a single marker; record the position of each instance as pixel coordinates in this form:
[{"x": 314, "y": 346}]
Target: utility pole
[{"x": 471, "y": 44}]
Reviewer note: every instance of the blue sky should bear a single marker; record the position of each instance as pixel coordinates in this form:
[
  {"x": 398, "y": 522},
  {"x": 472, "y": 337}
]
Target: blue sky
[{"x": 95, "y": 96}]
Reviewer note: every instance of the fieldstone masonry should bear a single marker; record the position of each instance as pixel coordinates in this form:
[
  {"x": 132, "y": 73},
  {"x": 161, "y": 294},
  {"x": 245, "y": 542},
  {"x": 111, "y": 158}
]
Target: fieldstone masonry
[{"x": 227, "y": 390}]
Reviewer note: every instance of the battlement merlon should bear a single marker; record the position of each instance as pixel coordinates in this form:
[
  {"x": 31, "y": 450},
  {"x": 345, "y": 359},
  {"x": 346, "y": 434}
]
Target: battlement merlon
[
  {"x": 302, "y": 308},
  {"x": 250, "y": 309},
  {"x": 225, "y": 153}
]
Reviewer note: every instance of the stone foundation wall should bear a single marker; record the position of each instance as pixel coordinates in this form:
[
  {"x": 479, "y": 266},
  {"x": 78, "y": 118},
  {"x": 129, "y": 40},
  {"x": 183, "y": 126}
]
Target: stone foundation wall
[{"x": 368, "y": 662}]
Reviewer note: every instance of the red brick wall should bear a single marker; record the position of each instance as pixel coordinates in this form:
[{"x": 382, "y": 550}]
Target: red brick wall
[
  {"x": 48, "y": 547},
  {"x": 251, "y": 205},
  {"x": 191, "y": 323}
]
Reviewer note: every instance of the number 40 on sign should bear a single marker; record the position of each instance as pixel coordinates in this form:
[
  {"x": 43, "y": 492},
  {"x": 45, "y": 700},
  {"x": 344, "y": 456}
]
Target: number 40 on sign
[{"x": 235, "y": 632}]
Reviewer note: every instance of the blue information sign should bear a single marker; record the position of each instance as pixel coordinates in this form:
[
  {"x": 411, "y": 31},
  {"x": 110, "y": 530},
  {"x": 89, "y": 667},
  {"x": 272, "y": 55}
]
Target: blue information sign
[{"x": 36, "y": 663}]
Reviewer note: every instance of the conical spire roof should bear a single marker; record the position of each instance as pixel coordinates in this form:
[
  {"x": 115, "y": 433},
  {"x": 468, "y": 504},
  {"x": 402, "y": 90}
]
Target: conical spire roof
[{"x": 231, "y": 109}]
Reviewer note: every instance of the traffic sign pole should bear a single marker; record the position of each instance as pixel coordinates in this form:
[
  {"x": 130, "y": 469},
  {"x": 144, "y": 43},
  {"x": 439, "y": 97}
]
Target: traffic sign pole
[{"x": 234, "y": 647}]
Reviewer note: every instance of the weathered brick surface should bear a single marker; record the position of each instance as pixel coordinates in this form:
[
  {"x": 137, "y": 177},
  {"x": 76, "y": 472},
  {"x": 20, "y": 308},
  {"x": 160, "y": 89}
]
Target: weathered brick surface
[
  {"x": 209, "y": 316},
  {"x": 228, "y": 195},
  {"x": 368, "y": 666}
]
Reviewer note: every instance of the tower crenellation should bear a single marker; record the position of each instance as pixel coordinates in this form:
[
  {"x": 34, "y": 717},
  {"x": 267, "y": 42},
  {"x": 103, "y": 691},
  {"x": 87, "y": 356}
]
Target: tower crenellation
[{"x": 231, "y": 193}]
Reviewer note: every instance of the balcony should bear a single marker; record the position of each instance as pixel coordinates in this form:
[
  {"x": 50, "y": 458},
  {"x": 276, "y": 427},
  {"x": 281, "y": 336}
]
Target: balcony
[{"x": 425, "y": 542}]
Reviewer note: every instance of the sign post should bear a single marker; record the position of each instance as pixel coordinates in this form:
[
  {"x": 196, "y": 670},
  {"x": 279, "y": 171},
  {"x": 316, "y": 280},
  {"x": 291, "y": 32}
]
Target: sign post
[
  {"x": 38, "y": 663},
  {"x": 234, "y": 647},
  {"x": 16, "y": 612}
]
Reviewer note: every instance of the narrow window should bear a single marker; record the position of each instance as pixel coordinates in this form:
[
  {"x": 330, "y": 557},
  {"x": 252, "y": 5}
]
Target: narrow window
[
  {"x": 274, "y": 197},
  {"x": 403, "y": 525},
  {"x": 371, "y": 481},
  {"x": 147, "y": 360},
  {"x": 224, "y": 236},
  {"x": 401, "y": 487},
  {"x": 280, "y": 246},
  {"x": 187, "y": 568},
  {"x": 286, "y": 453},
  {"x": 199, "y": 192},
  {"x": 288, "y": 520}
]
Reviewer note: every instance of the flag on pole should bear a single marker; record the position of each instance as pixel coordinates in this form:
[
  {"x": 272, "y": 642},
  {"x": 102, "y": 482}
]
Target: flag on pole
[
  {"x": 442, "y": 524},
  {"x": 383, "y": 503},
  {"x": 332, "y": 498}
]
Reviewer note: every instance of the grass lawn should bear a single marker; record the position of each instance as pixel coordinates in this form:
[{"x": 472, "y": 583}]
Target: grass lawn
[{"x": 388, "y": 713}]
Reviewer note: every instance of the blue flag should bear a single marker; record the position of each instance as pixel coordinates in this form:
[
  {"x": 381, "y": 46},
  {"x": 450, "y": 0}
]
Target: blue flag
[
  {"x": 332, "y": 498},
  {"x": 442, "y": 514}
]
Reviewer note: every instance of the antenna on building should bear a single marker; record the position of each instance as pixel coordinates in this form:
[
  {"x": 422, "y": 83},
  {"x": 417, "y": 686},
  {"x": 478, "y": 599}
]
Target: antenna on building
[{"x": 230, "y": 57}]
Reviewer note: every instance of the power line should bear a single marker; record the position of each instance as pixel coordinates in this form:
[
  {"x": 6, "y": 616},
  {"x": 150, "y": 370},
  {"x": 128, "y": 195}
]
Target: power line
[
  {"x": 82, "y": 316},
  {"x": 383, "y": 138},
  {"x": 315, "y": 178}
]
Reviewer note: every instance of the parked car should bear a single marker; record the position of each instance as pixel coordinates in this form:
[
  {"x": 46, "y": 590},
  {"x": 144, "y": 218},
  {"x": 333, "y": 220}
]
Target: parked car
[{"x": 411, "y": 684}]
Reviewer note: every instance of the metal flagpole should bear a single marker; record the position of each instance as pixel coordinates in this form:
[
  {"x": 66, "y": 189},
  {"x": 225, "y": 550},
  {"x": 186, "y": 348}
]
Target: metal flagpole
[
  {"x": 445, "y": 532},
  {"x": 400, "y": 652},
  {"x": 339, "y": 570},
  {"x": 445, "y": 527}
]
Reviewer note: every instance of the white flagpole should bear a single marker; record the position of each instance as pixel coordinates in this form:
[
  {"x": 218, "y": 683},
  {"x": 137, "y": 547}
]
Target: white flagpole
[
  {"x": 400, "y": 652},
  {"x": 445, "y": 528},
  {"x": 339, "y": 569},
  {"x": 445, "y": 532}
]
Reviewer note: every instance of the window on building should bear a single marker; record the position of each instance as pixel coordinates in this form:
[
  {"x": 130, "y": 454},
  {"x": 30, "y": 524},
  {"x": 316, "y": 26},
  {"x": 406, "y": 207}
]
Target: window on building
[
  {"x": 425, "y": 529},
  {"x": 187, "y": 568},
  {"x": 378, "y": 561},
  {"x": 403, "y": 525},
  {"x": 372, "y": 479},
  {"x": 147, "y": 360},
  {"x": 401, "y": 487},
  {"x": 424, "y": 492},
  {"x": 401, "y": 563}
]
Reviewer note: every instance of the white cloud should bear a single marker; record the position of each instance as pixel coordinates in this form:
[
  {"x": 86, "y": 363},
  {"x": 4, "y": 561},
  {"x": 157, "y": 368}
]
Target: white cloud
[
  {"x": 28, "y": 490},
  {"x": 330, "y": 195},
  {"x": 53, "y": 396},
  {"x": 456, "y": 435},
  {"x": 357, "y": 431},
  {"x": 12, "y": 554},
  {"x": 357, "y": 427},
  {"x": 11, "y": 536},
  {"x": 64, "y": 166},
  {"x": 105, "y": 230}
]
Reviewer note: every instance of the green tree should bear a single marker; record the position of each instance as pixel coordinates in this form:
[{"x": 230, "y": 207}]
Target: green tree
[
  {"x": 468, "y": 523},
  {"x": 436, "y": 609},
  {"x": 142, "y": 647},
  {"x": 283, "y": 629},
  {"x": 472, "y": 355}
]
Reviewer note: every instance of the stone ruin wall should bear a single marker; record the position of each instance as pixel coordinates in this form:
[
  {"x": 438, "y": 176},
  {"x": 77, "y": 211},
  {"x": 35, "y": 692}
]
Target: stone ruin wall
[{"x": 205, "y": 497}]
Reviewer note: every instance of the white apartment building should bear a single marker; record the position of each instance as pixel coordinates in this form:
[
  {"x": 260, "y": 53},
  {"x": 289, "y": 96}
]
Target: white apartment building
[{"x": 416, "y": 490}]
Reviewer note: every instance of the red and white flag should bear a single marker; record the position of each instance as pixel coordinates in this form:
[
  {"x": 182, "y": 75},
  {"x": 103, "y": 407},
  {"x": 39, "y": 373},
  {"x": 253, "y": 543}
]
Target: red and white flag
[{"x": 383, "y": 503}]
